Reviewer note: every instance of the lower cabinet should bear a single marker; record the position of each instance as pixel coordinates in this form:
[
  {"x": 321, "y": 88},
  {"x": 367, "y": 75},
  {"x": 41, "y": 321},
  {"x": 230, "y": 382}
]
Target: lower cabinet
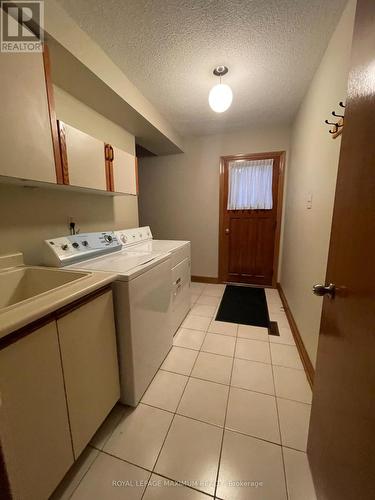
[
  {"x": 34, "y": 425},
  {"x": 89, "y": 357},
  {"x": 57, "y": 385}
]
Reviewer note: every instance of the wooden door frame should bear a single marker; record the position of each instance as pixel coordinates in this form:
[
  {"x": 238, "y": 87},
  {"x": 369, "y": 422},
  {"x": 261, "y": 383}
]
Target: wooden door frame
[{"x": 280, "y": 155}]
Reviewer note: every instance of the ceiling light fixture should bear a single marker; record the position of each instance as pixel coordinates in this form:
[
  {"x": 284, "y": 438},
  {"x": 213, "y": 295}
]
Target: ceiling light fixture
[{"x": 221, "y": 95}]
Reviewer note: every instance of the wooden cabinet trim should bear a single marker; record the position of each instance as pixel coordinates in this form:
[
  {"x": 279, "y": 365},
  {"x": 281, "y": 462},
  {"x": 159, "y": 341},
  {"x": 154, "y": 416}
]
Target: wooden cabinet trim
[
  {"x": 52, "y": 116},
  {"x": 109, "y": 156},
  {"x": 13, "y": 337},
  {"x": 63, "y": 152}
]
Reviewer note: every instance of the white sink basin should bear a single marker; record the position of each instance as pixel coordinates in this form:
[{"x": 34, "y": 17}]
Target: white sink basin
[{"x": 22, "y": 284}]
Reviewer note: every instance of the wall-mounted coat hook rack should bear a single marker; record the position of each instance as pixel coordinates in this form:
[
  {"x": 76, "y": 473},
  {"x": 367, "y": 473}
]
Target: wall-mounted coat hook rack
[{"x": 337, "y": 126}]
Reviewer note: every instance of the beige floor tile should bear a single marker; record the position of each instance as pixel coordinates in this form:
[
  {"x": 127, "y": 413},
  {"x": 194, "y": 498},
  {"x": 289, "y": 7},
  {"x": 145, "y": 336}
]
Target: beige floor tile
[
  {"x": 253, "y": 332},
  {"x": 253, "y": 414},
  {"x": 160, "y": 488},
  {"x": 98, "y": 482},
  {"x": 253, "y": 376},
  {"x": 139, "y": 436},
  {"x": 223, "y": 328},
  {"x": 245, "y": 458},
  {"x": 105, "y": 430},
  {"x": 75, "y": 474},
  {"x": 197, "y": 287},
  {"x": 291, "y": 384},
  {"x": 219, "y": 344},
  {"x": 193, "y": 298},
  {"x": 285, "y": 337},
  {"x": 275, "y": 307},
  {"x": 286, "y": 355},
  {"x": 191, "y": 453},
  {"x": 281, "y": 319},
  {"x": 194, "y": 322},
  {"x": 294, "y": 423},
  {"x": 298, "y": 475},
  {"x": 203, "y": 310},
  {"x": 190, "y": 339},
  {"x": 253, "y": 350},
  {"x": 180, "y": 360},
  {"x": 208, "y": 300},
  {"x": 204, "y": 401},
  {"x": 165, "y": 390},
  {"x": 214, "y": 290},
  {"x": 213, "y": 367}
]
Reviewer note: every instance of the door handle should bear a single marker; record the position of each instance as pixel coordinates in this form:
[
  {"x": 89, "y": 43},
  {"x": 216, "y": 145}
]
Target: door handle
[
  {"x": 227, "y": 230},
  {"x": 322, "y": 290}
]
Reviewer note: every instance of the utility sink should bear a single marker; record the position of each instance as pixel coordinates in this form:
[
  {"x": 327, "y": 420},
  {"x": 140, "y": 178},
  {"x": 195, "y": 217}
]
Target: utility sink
[{"x": 21, "y": 284}]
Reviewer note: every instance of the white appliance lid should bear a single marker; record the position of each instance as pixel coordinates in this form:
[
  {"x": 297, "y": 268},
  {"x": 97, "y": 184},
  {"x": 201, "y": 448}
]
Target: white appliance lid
[{"x": 122, "y": 263}]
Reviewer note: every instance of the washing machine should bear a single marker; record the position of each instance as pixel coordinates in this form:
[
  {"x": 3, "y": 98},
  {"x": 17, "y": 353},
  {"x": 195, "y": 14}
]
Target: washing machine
[{"x": 142, "y": 301}]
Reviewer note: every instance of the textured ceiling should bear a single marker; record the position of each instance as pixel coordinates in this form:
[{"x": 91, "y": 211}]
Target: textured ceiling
[{"x": 168, "y": 49}]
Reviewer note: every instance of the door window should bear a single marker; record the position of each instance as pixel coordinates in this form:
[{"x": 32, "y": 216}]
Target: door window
[{"x": 250, "y": 185}]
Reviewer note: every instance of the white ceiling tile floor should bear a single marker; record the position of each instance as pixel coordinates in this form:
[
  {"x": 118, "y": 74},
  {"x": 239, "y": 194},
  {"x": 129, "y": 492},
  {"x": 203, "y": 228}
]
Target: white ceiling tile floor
[
  {"x": 180, "y": 360},
  {"x": 190, "y": 339},
  {"x": 253, "y": 332},
  {"x": 194, "y": 322},
  {"x": 286, "y": 355},
  {"x": 208, "y": 415},
  {"x": 223, "y": 328}
]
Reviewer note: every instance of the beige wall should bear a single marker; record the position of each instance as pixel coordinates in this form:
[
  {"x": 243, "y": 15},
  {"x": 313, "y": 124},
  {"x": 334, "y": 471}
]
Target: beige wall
[
  {"x": 312, "y": 168},
  {"x": 29, "y": 215},
  {"x": 179, "y": 194}
]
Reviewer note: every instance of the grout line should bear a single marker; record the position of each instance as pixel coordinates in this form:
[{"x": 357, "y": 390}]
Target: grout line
[
  {"x": 225, "y": 418},
  {"x": 279, "y": 426},
  {"x": 170, "y": 425}
]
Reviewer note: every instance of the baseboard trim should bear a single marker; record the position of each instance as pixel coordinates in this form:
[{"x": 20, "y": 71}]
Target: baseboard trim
[
  {"x": 309, "y": 369},
  {"x": 205, "y": 279}
]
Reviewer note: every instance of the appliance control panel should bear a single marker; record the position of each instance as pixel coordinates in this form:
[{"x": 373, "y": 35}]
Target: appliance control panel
[
  {"x": 128, "y": 237},
  {"x": 74, "y": 248}
]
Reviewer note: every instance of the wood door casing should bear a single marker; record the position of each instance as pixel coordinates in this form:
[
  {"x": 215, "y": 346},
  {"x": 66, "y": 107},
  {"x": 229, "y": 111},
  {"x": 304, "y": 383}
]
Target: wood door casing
[
  {"x": 249, "y": 252},
  {"x": 341, "y": 445}
]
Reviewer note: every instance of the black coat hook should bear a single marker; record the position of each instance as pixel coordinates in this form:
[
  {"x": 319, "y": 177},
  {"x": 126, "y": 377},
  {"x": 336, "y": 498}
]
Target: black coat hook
[
  {"x": 336, "y": 115},
  {"x": 341, "y": 104},
  {"x": 334, "y": 124}
]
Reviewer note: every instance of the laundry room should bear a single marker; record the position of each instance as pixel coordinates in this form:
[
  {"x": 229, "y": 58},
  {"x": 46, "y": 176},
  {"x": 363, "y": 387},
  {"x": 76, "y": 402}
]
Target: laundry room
[{"x": 179, "y": 316}]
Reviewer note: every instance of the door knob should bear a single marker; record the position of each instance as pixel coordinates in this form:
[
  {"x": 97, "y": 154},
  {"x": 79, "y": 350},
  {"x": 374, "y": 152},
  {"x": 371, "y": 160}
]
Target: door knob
[
  {"x": 227, "y": 230},
  {"x": 322, "y": 290}
]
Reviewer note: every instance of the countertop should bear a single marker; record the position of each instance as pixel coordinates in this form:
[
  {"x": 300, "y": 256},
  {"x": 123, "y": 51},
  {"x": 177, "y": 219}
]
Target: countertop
[{"x": 40, "y": 306}]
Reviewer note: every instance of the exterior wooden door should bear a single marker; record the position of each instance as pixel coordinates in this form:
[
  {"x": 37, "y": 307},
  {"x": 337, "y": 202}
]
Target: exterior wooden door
[
  {"x": 341, "y": 446},
  {"x": 249, "y": 239}
]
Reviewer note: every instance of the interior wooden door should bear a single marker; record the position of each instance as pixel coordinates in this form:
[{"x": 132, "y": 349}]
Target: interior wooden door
[
  {"x": 341, "y": 445},
  {"x": 249, "y": 239}
]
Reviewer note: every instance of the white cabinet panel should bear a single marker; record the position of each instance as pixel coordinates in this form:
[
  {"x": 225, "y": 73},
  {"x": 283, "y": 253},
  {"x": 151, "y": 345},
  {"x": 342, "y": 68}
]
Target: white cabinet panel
[
  {"x": 34, "y": 427},
  {"x": 124, "y": 172},
  {"x": 85, "y": 159},
  {"x": 25, "y": 129},
  {"x": 89, "y": 356}
]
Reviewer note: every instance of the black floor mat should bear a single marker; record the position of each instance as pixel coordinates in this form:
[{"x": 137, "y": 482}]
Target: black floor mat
[{"x": 244, "y": 305}]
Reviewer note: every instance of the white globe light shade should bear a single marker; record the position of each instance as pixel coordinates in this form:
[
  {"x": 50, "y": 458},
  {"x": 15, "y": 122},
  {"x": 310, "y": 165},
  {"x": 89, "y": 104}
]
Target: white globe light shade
[{"x": 220, "y": 97}]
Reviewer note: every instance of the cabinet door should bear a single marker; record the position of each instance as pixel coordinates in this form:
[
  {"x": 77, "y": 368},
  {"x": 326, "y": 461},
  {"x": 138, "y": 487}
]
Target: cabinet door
[
  {"x": 124, "y": 172},
  {"x": 89, "y": 357},
  {"x": 25, "y": 128},
  {"x": 83, "y": 157},
  {"x": 34, "y": 428}
]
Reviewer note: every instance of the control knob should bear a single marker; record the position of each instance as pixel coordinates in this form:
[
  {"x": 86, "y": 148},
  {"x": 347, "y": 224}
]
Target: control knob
[
  {"x": 108, "y": 238},
  {"x": 64, "y": 246},
  {"x": 85, "y": 243},
  {"x": 75, "y": 245}
]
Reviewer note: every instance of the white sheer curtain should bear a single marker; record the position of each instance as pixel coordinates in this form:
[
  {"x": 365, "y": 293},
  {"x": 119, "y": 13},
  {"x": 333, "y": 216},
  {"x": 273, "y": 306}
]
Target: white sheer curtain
[{"x": 250, "y": 184}]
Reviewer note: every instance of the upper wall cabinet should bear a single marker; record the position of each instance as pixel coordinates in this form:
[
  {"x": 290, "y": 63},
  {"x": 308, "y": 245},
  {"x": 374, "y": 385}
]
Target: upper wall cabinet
[
  {"x": 124, "y": 172},
  {"x": 83, "y": 159},
  {"x": 26, "y": 144}
]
